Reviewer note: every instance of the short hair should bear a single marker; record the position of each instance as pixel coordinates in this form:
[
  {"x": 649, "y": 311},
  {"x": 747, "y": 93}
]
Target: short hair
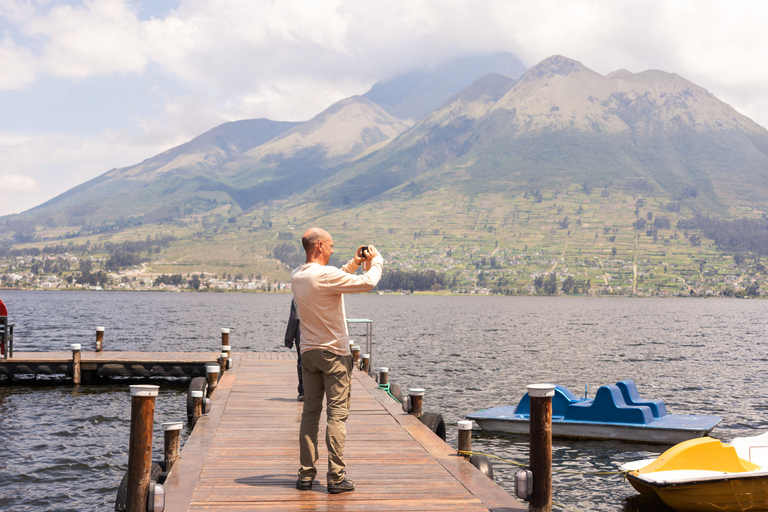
[{"x": 312, "y": 237}]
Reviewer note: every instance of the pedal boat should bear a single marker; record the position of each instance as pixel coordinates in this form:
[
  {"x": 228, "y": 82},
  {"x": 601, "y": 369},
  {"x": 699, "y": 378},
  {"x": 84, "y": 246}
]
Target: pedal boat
[
  {"x": 706, "y": 475},
  {"x": 616, "y": 412}
]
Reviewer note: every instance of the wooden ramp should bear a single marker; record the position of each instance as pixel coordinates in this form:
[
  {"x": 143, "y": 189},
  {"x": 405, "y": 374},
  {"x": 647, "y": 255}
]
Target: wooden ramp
[{"x": 244, "y": 454}]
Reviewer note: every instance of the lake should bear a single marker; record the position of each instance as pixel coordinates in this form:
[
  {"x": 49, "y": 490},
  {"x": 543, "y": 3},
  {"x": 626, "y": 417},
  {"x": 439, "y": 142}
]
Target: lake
[{"x": 65, "y": 447}]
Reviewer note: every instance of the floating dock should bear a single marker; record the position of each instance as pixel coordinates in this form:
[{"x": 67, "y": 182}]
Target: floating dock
[
  {"x": 244, "y": 454},
  {"x": 109, "y": 364}
]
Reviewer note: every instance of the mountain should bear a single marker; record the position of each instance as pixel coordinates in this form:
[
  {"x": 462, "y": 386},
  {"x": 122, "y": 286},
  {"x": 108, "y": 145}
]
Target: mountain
[
  {"x": 416, "y": 94},
  {"x": 248, "y": 162},
  {"x": 563, "y": 123},
  {"x": 308, "y": 153},
  {"x": 145, "y": 188}
]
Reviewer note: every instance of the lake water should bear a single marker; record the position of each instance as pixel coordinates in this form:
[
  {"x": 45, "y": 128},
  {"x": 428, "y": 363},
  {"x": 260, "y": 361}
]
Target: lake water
[{"x": 65, "y": 447}]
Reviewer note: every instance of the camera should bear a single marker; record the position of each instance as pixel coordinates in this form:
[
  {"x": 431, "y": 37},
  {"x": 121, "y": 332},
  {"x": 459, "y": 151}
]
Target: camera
[{"x": 363, "y": 250}]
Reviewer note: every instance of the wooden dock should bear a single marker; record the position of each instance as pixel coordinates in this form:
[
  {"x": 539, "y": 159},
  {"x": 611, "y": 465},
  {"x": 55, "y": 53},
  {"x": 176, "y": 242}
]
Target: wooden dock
[
  {"x": 243, "y": 455},
  {"x": 110, "y": 364}
]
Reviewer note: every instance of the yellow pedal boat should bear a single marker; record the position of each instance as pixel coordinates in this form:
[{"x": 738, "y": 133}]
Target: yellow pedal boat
[{"x": 705, "y": 474}]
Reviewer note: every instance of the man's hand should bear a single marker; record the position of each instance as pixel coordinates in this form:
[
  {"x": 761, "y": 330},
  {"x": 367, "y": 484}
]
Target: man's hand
[{"x": 370, "y": 253}]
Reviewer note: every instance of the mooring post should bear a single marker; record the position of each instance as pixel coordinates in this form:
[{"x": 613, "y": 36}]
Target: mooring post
[
  {"x": 223, "y": 359},
  {"x": 417, "y": 401},
  {"x": 212, "y": 374},
  {"x": 172, "y": 443},
  {"x": 355, "y": 355},
  {"x": 140, "y": 446},
  {"x": 76, "y": 378},
  {"x": 99, "y": 338},
  {"x": 366, "y": 366},
  {"x": 224, "y": 337},
  {"x": 541, "y": 445},
  {"x": 383, "y": 375},
  {"x": 197, "y": 403},
  {"x": 465, "y": 437}
]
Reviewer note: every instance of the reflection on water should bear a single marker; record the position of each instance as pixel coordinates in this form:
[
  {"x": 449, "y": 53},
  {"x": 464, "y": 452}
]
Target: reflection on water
[{"x": 699, "y": 356}]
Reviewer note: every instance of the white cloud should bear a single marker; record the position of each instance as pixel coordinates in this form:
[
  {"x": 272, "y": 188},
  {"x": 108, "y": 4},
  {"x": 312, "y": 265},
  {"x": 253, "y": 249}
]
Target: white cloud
[
  {"x": 18, "y": 183},
  {"x": 99, "y": 38},
  {"x": 17, "y": 65}
]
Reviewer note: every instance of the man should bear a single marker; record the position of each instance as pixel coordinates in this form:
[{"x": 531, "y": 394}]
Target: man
[{"x": 326, "y": 359}]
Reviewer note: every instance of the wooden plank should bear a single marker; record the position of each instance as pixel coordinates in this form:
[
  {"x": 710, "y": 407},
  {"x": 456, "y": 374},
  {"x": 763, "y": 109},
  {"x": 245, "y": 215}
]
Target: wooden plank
[{"x": 244, "y": 455}]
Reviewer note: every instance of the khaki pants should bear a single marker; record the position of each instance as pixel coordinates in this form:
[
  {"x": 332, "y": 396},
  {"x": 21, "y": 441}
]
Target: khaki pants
[{"x": 324, "y": 373}]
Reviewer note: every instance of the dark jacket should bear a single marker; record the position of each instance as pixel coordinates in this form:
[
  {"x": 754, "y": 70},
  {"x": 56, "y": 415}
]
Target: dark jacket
[{"x": 292, "y": 332}]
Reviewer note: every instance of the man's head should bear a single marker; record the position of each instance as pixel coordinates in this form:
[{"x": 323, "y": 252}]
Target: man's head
[{"x": 318, "y": 244}]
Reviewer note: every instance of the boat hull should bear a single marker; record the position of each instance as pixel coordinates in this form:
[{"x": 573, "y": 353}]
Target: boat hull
[
  {"x": 667, "y": 432},
  {"x": 732, "y": 493}
]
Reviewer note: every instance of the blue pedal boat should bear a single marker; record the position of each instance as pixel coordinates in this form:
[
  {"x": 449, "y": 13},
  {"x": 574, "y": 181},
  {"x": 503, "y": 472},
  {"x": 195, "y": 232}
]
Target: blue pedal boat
[{"x": 616, "y": 412}]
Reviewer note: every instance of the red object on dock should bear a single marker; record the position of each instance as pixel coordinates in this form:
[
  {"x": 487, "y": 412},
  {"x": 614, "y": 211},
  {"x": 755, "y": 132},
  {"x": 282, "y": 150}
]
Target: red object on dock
[{"x": 3, "y": 312}]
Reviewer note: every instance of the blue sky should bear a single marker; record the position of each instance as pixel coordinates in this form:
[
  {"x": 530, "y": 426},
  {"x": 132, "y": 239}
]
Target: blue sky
[{"x": 90, "y": 85}]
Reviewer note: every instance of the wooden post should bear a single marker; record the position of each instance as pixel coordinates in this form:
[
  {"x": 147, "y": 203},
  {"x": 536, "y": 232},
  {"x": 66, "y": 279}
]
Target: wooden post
[
  {"x": 140, "y": 447},
  {"x": 355, "y": 354},
  {"x": 224, "y": 337},
  {"x": 76, "y": 379},
  {"x": 197, "y": 403},
  {"x": 417, "y": 401},
  {"x": 223, "y": 361},
  {"x": 172, "y": 444},
  {"x": 212, "y": 374},
  {"x": 465, "y": 437},
  {"x": 99, "y": 339},
  {"x": 541, "y": 445},
  {"x": 383, "y": 375},
  {"x": 366, "y": 363}
]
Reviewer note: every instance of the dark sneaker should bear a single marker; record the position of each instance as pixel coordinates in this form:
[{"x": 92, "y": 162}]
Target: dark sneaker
[
  {"x": 300, "y": 398},
  {"x": 345, "y": 485},
  {"x": 304, "y": 485}
]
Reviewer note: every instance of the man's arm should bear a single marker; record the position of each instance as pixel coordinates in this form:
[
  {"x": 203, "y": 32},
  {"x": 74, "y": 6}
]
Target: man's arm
[{"x": 345, "y": 282}]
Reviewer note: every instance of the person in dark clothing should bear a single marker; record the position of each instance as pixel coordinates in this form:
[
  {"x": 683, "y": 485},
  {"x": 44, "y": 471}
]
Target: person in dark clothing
[{"x": 293, "y": 334}]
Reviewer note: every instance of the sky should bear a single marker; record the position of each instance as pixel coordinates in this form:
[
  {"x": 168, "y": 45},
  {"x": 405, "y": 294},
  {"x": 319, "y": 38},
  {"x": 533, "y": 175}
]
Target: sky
[{"x": 91, "y": 85}]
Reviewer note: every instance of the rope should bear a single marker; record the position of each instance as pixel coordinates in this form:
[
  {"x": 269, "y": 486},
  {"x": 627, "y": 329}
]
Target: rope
[{"x": 385, "y": 387}]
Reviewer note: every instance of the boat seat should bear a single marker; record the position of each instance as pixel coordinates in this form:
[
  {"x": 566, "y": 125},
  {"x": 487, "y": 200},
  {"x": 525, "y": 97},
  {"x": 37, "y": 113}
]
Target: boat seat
[
  {"x": 754, "y": 449},
  {"x": 609, "y": 406},
  {"x": 560, "y": 402},
  {"x": 632, "y": 397}
]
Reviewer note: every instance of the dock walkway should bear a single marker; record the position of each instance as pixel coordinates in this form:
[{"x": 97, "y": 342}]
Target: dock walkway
[{"x": 243, "y": 455}]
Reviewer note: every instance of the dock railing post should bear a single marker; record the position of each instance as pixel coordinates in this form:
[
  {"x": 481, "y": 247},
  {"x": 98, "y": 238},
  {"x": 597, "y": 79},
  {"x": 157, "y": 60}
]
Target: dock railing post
[
  {"x": 366, "y": 367},
  {"x": 465, "y": 437},
  {"x": 355, "y": 355},
  {"x": 383, "y": 376},
  {"x": 224, "y": 337},
  {"x": 212, "y": 374},
  {"x": 223, "y": 360},
  {"x": 171, "y": 443},
  {"x": 76, "y": 375},
  {"x": 417, "y": 401},
  {"x": 541, "y": 445},
  {"x": 140, "y": 446},
  {"x": 99, "y": 338}
]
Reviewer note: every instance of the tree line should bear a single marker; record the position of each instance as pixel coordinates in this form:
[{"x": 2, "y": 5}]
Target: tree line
[{"x": 733, "y": 236}]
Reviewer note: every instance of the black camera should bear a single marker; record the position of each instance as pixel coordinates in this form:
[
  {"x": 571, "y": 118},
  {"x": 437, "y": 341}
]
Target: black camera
[{"x": 363, "y": 250}]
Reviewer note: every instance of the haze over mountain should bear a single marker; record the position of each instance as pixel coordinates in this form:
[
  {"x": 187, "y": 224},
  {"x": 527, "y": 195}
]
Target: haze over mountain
[{"x": 560, "y": 123}]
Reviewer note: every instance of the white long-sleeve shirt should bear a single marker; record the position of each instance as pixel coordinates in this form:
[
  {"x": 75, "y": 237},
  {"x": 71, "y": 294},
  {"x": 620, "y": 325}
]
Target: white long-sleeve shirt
[{"x": 318, "y": 291}]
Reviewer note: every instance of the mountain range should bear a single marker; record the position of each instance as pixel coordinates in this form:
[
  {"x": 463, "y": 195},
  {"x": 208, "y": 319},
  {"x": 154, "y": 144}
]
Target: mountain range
[{"x": 472, "y": 126}]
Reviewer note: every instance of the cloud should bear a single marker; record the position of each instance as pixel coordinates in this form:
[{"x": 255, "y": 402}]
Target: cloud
[
  {"x": 17, "y": 65},
  {"x": 18, "y": 183}
]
